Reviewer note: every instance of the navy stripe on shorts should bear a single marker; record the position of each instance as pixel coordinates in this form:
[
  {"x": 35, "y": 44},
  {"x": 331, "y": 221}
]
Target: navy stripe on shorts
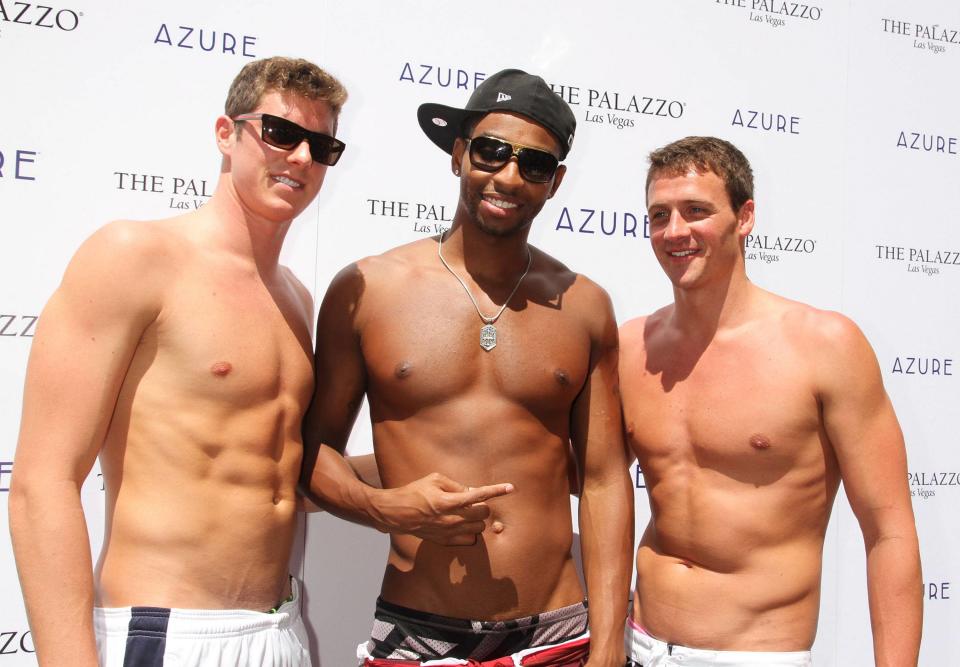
[{"x": 146, "y": 637}]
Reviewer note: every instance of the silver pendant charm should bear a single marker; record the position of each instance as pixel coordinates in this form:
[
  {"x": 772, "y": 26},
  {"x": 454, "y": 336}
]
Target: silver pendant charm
[{"x": 488, "y": 337}]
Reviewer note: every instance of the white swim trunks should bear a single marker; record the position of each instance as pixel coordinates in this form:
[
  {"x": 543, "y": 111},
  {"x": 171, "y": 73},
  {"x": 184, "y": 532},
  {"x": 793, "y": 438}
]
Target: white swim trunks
[
  {"x": 647, "y": 651},
  {"x": 160, "y": 637}
]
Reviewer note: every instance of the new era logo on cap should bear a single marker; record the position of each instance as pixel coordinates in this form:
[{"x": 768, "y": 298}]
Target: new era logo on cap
[{"x": 510, "y": 90}]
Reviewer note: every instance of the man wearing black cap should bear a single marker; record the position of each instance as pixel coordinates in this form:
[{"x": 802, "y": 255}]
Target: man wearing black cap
[{"x": 499, "y": 371}]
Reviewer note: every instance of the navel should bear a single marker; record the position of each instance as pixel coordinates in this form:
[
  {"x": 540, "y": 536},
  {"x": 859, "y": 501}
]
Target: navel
[
  {"x": 221, "y": 368},
  {"x": 759, "y": 441},
  {"x": 403, "y": 369}
]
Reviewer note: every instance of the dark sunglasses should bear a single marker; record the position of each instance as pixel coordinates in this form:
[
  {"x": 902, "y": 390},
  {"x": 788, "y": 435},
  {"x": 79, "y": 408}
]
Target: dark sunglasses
[
  {"x": 282, "y": 133},
  {"x": 490, "y": 154}
]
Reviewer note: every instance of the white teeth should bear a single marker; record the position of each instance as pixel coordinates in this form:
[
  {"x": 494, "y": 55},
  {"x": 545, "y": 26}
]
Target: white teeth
[
  {"x": 499, "y": 203},
  {"x": 682, "y": 253},
  {"x": 287, "y": 181}
]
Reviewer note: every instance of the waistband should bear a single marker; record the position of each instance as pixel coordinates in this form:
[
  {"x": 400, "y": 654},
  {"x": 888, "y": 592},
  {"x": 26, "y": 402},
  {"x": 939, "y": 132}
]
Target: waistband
[
  {"x": 565, "y": 653},
  {"x": 450, "y": 623},
  {"x": 638, "y": 639},
  {"x": 202, "y": 622}
]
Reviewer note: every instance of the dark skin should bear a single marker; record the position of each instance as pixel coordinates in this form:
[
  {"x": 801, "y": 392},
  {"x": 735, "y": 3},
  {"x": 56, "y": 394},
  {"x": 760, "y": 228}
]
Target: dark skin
[{"x": 400, "y": 329}]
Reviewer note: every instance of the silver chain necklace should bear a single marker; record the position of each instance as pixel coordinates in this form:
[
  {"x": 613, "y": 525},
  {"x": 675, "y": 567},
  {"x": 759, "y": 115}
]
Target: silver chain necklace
[{"x": 488, "y": 332}]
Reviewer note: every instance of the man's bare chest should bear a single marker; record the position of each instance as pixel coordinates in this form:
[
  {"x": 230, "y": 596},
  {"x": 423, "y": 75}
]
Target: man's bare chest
[
  {"x": 237, "y": 345},
  {"x": 731, "y": 411},
  {"x": 431, "y": 350}
]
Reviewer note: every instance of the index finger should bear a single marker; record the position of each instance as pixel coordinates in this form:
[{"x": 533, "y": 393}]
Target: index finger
[{"x": 479, "y": 494}]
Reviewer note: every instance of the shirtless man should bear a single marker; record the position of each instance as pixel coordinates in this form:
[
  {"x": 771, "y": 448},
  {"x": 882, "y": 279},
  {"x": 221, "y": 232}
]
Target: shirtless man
[
  {"x": 179, "y": 351},
  {"x": 482, "y": 407},
  {"x": 746, "y": 410}
]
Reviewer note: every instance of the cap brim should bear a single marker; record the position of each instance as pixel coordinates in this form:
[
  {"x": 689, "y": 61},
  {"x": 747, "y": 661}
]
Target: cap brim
[{"x": 442, "y": 123}]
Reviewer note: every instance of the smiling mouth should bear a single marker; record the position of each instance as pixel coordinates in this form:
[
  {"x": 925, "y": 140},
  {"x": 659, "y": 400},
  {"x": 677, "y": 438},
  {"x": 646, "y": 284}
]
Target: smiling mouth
[
  {"x": 288, "y": 181},
  {"x": 683, "y": 253},
  {"x": 499, "y": 203}
]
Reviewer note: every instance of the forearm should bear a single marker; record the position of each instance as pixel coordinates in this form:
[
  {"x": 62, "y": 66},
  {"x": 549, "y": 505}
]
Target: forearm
[
  {"x": 365, "y": 468},
  {"x": 896, "y": 604},
  {"x": 52, "y": 552},
  {"x": 606, "y": 539},
  {"x": 335, "y": 487}
]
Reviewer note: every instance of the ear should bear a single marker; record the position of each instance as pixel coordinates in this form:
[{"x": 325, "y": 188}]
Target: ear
[
  {"x": 226, "y": 135},
  {"x": 456, "y": 156},
  {"x": 557, "y": 180},
  {"x": 745, "y": 219}
]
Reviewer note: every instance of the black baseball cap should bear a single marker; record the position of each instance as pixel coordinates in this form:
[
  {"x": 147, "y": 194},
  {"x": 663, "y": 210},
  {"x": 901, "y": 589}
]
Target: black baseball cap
[{"x": 508, "y": 90}]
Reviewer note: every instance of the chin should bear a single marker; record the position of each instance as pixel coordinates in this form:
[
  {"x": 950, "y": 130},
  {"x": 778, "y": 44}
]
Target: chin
[{"x": 502, "y": 230}]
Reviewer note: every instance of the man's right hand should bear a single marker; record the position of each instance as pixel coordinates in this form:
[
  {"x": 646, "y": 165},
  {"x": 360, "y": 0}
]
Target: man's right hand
[{"x": 437, "y": 509}]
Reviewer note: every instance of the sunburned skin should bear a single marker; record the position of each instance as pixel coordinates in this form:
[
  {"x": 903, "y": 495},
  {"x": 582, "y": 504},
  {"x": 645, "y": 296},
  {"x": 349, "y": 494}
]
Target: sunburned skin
[
  {"x": 177, "y": 351},
  {"x": 178, "y": 445},
  {"x": 741, "y": 477},
  {"x": 745, "y": 410}
]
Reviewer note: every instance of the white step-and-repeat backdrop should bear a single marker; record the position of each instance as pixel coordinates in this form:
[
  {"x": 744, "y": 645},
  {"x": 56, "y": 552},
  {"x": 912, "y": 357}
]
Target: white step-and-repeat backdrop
[{"x": 849, "y": 112}]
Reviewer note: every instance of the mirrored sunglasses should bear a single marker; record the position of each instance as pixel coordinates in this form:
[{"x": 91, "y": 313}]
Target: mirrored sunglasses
[{"x": 491, "y": 154}]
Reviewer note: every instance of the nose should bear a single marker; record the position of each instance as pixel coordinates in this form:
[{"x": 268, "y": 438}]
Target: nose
[
  {"x": 508, "y": 176},
  {"x": 300, "y": 154},
  {"x": 676, "y": 228}
]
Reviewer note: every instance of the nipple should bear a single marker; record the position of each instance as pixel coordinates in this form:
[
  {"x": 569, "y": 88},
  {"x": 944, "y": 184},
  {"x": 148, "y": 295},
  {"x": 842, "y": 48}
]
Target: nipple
[
  {"x": 403, "y": 369},
  {"x": 221, "y": 368},
  {"x": 496, "y": 527},
  {"x": 561, "y": 377},
  {"x": 760, "y": 442}
]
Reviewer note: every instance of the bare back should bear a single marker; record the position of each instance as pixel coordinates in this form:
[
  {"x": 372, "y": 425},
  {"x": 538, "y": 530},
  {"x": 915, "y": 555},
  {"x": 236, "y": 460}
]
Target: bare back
[
  {"x": 440, "y": 403},
  {"x": 202, "y": 453},
  {"x": 741, "y": 478}
]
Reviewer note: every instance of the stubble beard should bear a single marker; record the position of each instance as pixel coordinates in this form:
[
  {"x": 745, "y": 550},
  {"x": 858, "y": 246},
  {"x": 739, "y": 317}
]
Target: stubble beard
[{"x": 473, "y": 212}]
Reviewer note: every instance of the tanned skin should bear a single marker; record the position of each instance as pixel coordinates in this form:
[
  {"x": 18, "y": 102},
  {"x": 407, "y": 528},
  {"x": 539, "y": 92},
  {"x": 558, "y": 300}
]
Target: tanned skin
[
  {"x": 746, "y": 410},
  {"x": 179, "y": 352},
  {"x": 400, "y": 329}
]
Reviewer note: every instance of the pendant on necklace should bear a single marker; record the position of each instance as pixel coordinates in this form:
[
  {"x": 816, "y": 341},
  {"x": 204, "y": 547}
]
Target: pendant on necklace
[{"x": 488, "y": 337}]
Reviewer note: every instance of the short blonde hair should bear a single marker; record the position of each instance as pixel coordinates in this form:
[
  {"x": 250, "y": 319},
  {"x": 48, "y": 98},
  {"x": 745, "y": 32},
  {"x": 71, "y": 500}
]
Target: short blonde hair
[{"x": 284, "y": 75}]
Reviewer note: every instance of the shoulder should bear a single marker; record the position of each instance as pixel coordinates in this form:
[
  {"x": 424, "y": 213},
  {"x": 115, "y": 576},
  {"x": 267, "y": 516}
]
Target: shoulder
[
  {"x": 578, "y": 290},
  {"x": 397, "y": 263},
  {"x": 119, "y": 274},
  {"x": 129, "y": 241},
  {"x": 825, "y": 332},
  {"x": 829, "y": 343},
  {"x": 126, "y": 253},
  {"x": 635, "y": 333},
  {"x": 363, "y": 279},
  {"x": 299, "y": 291}
]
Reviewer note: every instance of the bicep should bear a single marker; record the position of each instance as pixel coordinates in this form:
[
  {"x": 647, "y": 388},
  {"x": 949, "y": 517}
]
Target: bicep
[
  {"x": 84, "y": 341},
  {"x": 339, "y": 367},
  {"x": 862, "y": 427},
  {"x": 596, "y": 425}
]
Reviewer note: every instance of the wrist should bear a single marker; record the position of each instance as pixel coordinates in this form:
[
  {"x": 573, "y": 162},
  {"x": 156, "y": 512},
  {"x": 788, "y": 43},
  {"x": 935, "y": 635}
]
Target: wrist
[{"x": 375, "y": 506}]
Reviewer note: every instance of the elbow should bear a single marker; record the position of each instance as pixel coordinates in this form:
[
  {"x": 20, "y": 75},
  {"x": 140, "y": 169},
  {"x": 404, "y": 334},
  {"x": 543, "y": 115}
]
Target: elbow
[{"x": 18, "y": 508}]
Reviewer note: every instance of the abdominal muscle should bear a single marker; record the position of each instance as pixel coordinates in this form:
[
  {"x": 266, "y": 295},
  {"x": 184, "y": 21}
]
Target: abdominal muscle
[
  {"x": 741, "y": 595},
  {"x": 522, "y": 563},
  {"x": 200, "y": 510}
]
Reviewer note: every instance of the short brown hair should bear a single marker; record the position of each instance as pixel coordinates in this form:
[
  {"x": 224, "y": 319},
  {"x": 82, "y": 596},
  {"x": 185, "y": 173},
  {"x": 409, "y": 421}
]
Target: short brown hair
[
  {"x": 293, "y": 75},
  {"x": 706, "y": 154}
]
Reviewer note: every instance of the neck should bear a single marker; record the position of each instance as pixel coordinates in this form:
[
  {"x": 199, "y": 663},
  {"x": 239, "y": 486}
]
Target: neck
[
  {"x": 238, "y": 231},
  {"x": 724, "y": 304},
  {"x": 489, "y": 259}
]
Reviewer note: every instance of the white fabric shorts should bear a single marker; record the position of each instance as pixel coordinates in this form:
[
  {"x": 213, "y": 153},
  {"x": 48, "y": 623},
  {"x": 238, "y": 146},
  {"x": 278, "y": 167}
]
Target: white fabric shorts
[
  {"x": 646, "y": 651},
  {"x": 160, "y": 637}
]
